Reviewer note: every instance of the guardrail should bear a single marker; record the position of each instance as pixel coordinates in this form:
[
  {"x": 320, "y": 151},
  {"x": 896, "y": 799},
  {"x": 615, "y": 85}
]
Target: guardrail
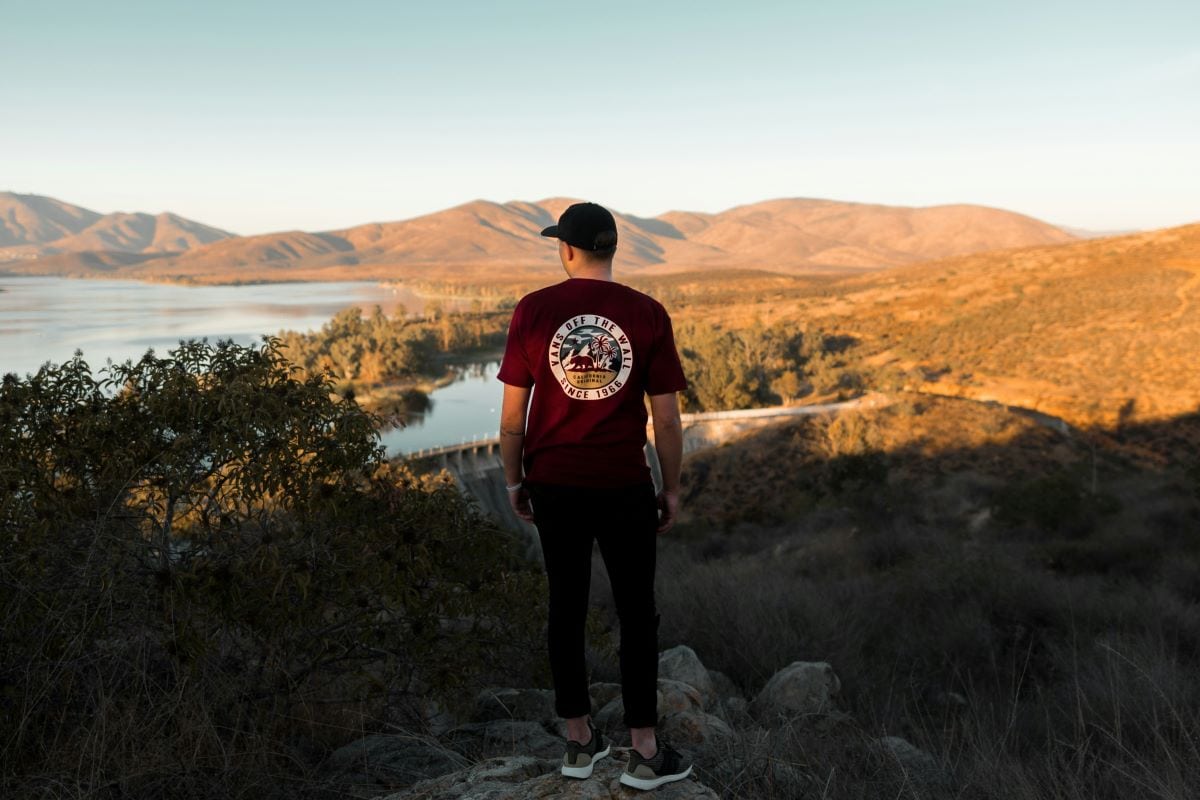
[
  {"x": 704, "y": 416},
  {"x": 429, "y": 452}
]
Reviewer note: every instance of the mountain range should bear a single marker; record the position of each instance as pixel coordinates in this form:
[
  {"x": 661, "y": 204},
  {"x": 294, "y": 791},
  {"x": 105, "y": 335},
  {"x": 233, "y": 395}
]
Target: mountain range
[
  {"x": 32, "y": 226},
  {"x": 41, "y": 235}
]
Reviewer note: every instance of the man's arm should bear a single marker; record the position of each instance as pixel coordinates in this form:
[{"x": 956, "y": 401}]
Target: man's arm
[
  {"x": 668, "y": 443},
  {"x": 512, "y": 442}
]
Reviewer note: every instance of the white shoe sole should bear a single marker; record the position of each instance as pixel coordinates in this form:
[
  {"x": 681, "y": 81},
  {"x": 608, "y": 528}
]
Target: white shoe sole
[
  {"x": 652, "y": 783},
  {"x": 586, "y": 772}
]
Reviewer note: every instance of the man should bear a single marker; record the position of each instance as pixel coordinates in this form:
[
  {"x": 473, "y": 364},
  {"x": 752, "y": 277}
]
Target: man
[{"x": 591, "y": 349}]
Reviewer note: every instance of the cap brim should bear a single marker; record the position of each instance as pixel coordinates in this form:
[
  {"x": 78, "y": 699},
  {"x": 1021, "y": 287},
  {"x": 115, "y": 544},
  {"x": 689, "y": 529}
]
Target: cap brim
[{"x": 551, "y": 231}]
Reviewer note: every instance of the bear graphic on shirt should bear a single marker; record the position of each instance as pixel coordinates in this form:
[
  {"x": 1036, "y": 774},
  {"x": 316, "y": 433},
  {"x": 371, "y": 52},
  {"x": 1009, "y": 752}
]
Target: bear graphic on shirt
[{"x": 591, "y": 357}]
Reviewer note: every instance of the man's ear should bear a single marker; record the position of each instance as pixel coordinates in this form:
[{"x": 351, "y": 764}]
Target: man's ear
[{"x": 568, "y": 251}]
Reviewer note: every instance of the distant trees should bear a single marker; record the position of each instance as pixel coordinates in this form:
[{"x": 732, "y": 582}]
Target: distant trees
[
  {"x": 788, "y": 385},
  {"x": 361, "y": 350},
  {"x": 759, "y": 365}
]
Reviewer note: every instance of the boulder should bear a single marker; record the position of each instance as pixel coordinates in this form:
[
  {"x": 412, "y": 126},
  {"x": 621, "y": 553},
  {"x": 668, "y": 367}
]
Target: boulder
[
  {"x": 493, "y": 778},
  {"x": 677, "y": 696},
  {"x": 392, "y": 761},
  {"x": 673, "y": 696},
  {"x": 611, "y": 718},
  {"x": 500, "y": 737},
  {"x": 917, "y": 765},
  {"x": 695, "y": 728},
  {"x": 525, "y": 704},
  {"x": 737, "y": 712},
  {"x": 802, "y": 687},
  {"x": 681, "y": 664},
  {"x": 725, "y": 687},
  {"x": 524, "y": 778},
  {"x": 603, "y": 693}
]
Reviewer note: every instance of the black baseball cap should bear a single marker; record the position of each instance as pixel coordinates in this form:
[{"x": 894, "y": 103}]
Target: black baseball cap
[{"x": 586, "y": 226}]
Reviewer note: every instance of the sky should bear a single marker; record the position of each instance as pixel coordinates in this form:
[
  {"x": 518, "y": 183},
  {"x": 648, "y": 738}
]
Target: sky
[{"x": 262, "y": 116}]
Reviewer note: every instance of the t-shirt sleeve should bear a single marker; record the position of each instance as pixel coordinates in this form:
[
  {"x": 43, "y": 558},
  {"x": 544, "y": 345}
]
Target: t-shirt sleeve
[
  {"x": 665, "y": 373},
  {"x": 514, "y": 367}
]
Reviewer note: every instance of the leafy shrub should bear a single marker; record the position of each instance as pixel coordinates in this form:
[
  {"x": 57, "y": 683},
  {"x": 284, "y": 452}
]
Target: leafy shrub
[
  {"x": 206, "y": 554},
  {"x": 1056, "y": 503}
]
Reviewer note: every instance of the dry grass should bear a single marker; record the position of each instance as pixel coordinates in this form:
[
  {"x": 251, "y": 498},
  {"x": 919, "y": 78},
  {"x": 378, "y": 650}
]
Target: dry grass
[{"x": 1075, "y": 645}]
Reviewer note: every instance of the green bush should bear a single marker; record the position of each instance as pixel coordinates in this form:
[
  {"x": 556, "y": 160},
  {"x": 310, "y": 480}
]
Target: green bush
[
  {"x": 205, "y": 554},
  {"x": 365, "y": 351},
  {"x": 1055, "y": 503}
]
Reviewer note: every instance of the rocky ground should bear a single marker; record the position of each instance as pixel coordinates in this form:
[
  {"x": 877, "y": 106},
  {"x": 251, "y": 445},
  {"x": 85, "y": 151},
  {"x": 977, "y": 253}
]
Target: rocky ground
[{"x": 511, "y": 746}]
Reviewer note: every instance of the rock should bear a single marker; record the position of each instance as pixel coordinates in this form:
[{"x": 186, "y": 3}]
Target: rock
[
  {"x": 603, "y": 693},
  {"x": 611, "y": 718},
  {"x": 725, "y": 687},
  {"x": 802, "y": 687},
  {"x": 834, "y": 722},
  {"x": 673, "y": 696},
  {"x": 518, "y": 778},
  {"x": 737, "y": 712},
  {"x": 392, "y": 761},
  {"x": 696, "y": 728},
  {"x": 488, "y": 779},
  {"x": 523, "y": 704},
  {"x": 677, "y": 696},
  {"x": 681, "y": 663},
  {"x": 501, "y": 737},
  {"x": 917, "y": 765}
]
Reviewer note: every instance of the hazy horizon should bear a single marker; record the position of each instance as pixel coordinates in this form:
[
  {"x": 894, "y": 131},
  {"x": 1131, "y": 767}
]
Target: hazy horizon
[{"x": 276, "y": 116}]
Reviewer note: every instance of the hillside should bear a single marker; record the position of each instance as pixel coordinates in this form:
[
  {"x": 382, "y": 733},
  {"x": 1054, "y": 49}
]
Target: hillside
[
  {"x": 33, "y": 227},
  {"x": 29, "y": 219},
  {"x": 1099, "y": 331},
  {"x": 473, "y": 240}
]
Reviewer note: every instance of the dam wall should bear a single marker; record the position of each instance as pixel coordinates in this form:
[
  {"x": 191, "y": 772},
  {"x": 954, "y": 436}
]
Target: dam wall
[{"x": 479, "y": 472}]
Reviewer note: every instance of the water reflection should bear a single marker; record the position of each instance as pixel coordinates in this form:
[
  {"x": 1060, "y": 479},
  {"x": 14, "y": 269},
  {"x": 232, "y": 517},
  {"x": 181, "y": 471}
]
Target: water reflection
[
  {"x": 47, "y": 319},
  {"x": 467, "y": 409}
]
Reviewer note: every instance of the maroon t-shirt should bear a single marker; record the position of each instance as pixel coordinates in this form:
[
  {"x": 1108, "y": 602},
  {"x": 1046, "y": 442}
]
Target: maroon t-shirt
[{"x": 592, "y": 349}]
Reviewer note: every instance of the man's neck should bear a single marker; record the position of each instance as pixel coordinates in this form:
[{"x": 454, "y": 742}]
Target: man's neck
[{"x": 593, "y": 273}]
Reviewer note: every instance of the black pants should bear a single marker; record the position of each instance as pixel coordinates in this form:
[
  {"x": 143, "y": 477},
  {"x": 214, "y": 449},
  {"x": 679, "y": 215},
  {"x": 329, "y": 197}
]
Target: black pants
[{"x": 623, "y": 522}]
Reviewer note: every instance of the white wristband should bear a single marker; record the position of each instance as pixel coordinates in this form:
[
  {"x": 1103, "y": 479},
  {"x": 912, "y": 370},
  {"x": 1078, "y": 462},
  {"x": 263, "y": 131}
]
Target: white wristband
[{"x": 514, "y": 487}]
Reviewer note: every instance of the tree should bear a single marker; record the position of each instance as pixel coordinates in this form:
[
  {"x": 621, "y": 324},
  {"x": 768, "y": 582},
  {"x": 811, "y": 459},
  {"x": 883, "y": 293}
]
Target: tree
[
  {"x": 788, "y": 385},
  {"x": 215, "y": 535}
]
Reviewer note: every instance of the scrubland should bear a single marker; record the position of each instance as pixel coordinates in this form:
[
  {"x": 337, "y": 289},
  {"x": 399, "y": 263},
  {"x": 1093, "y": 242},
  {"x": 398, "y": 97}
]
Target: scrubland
[
  {"x": 200, "y": 599},
  {"x": 1017, "y": 602}
]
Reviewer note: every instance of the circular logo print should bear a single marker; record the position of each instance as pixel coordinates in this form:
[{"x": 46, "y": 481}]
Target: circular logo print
[{"x": 591, "y": 357}]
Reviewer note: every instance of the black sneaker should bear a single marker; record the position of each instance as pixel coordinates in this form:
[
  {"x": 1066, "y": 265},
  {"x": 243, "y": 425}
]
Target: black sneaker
[
  {"x": 579, "y": 759},
  {"x": 650, "y": 773}
]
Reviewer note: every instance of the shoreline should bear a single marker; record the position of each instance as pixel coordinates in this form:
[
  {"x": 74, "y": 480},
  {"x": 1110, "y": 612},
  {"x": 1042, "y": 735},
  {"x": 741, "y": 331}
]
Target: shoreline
[{"x": 373, "y": 397}]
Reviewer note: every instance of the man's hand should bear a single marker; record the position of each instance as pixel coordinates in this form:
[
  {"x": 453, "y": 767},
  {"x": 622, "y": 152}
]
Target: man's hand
[
  {"x": 512, "y": 442},
  {"x": 668, "y": 508},
  {"x": 519, "y": 500},
  {"x": 668, "y": 444}
]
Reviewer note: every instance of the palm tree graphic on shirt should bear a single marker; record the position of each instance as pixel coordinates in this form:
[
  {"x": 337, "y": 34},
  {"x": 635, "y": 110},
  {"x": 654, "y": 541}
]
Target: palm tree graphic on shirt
[{"x": 590, "y": 356}]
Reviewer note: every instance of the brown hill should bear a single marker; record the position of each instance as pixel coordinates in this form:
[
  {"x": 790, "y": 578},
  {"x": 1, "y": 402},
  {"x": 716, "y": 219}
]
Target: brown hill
[
  {"x": 788, "y": 235},
  {"x": 486, "y": 233},
  {"x": 1098, "y": 331},
  {"x": 140, "y": 233},
  {"x": 30, "y": 219},
  {"x": 269, "y": 256},
  {"x": 32, "y": 227},
  {"x": 824, "y": 233},
  {"x": 475, "y": 239}
]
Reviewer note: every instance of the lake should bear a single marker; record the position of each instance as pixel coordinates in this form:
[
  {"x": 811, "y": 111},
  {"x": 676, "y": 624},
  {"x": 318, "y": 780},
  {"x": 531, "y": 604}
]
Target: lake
[
  {"x": 462, "y": 411},
  {"x": 46, "y": 319}
]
